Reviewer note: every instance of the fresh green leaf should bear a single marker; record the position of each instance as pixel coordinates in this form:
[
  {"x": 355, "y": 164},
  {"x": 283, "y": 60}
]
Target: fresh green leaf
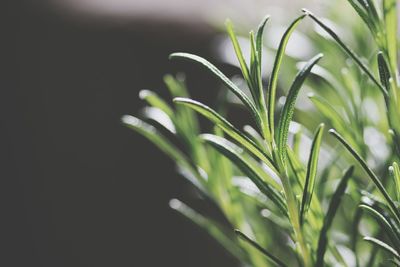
[
  {"x": 162, "y": 143},
  {"x": 214, "y": 70},
  {"x": 329, "y": 112},
  {"x": 370, "y": 173},
  {"x": 228, "y": 128},
  {"x": 394, "y": 170},
  {"x": 363, "y": 15},
  {"x": 272, "y": 258},
  {"x": 159, "y": 117},
  {"x": 175, "y": 86},
  {"x": 288, "y": 108},
  {"x": 336, "y": 119},
  {"x": 212, "y": 227},
  {"x": 256, "y": 137},
  {"x": 154, "y": 100},
  {"x": 259, "y": 39},
  {"x": 383, "y": 246},
  {"x": 238, "y": 51},
  {"x": 273, "y": 81},
  {"x": 391, "y": 23},
  {"x": 385, "y": 225},
  {"x": 255, "y": 74},
  {"x": 333, "y": 206},
  {"x": 265, "y": 184},
  {"x": 384, "y": 73},
  {"x": 348, "y": 50},
  {"x": 311, "y": 172}
]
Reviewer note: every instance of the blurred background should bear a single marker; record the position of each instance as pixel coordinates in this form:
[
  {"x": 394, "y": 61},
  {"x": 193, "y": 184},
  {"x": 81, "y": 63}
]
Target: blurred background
[{"x": 77, "y": 187}]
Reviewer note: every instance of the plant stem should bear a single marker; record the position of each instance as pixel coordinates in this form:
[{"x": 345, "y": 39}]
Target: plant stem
[{"x": 293, "y": 210}]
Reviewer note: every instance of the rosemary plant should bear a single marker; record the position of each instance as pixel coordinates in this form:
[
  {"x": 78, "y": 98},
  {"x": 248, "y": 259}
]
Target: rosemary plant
[{"x": 284, "y": 209}]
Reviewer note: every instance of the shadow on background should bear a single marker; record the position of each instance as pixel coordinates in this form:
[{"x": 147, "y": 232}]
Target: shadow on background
[{"x": 77, "y": 188}]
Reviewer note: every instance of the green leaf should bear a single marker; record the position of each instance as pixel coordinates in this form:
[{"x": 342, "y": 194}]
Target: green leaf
[
  {"x": 258, "y": 90},
  {"x": 372, "y": 12},
  {"x": 329, "y": 112},
  {"x": 297, "y": 167},
  {"x": 394, "y": 171},
  {"x": 256, "y": 138},
  {"x": 288, "y": 108},
  {"x": 184, "y": 119},
  {"x": 273, "y": 81},
  {"x": 161, "y": 142},
  {"x": 160, "y": 117},
  {"x": 228, "y": 128},
  {"x": 385, "y": 225},
  {"x": 391, "y": 23},
  {"x": 335, "y": 118},
  {"x": 344, "y": 94},
  {"x": 238, "y": 51},
  {"x": 255, "y": 74},
  {"x": 311, "y": 172},
  {"x": 154, "y": 100},
  {"x": 212, "y": 227},
  {"x": 259, "y": 39},
  {"x": 214, "y": 70},
  {"x": 271, "y": 258},
  {"x": 333, "y": 207},
  {"x": 348, "y": 50},
  {"x": 176, "y": 86},
  {"x": 370, "y": 173},
  {"x": 383, "y": 245},
  {"x": 384, "y": 73},
  {"x": 363, "y": 15},
  {"x": 264, "y": 183}
]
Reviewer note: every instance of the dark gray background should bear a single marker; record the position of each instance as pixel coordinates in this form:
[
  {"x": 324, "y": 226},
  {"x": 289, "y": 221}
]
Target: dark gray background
[{"x": 77, "y": 188}]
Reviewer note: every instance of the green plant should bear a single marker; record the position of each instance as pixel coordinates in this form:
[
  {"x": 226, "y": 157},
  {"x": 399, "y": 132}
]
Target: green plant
[{"x": 282, "y": 206}]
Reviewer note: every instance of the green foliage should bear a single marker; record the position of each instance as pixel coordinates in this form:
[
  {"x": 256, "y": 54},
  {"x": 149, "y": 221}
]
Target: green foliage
[{"x": 283, "y": 205}]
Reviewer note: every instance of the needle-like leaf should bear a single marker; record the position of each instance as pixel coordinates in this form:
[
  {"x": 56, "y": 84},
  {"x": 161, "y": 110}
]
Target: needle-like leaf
[
  {"x": 394, "y": 171},
  {"x": 160, "y": 117},
  {"x": 363, "y": 15},
  {"x": 335, "y": 118},
  {"x": 238, "y": 51},
  {"x": 162, "y": 143},
  {"x": 385, "y": 225},
  {"x": 391, "y": 23},
  {"x": 255, "y": 74},
  {"x": 267, "y": 185},
  {"x": 311, "y": 173},
  {"x": 370, "y": 173},
  {"x": 231, "y": 86},
  {"x": 212, "y": 227},
  {"x": 258, "y": 88},
  {"x": 328, "y": 111},
  {"x": 288, "y": 108},
  {"x": 384, "y": 73},
  {"x": 383, "y": 245},
  {"x": 259, "y": 39},
  {"x": 333, "y": 206},
  {"x": 154, "y": 100},
  {"x": 273, "y": 81},
  {"x": 176, "y": 86},
  {"x": 270, "y": 257},
  {"x": 256, "y": 137},
  {"x": 227, "y": 127},
  {"x": 348, "y": 50}
]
